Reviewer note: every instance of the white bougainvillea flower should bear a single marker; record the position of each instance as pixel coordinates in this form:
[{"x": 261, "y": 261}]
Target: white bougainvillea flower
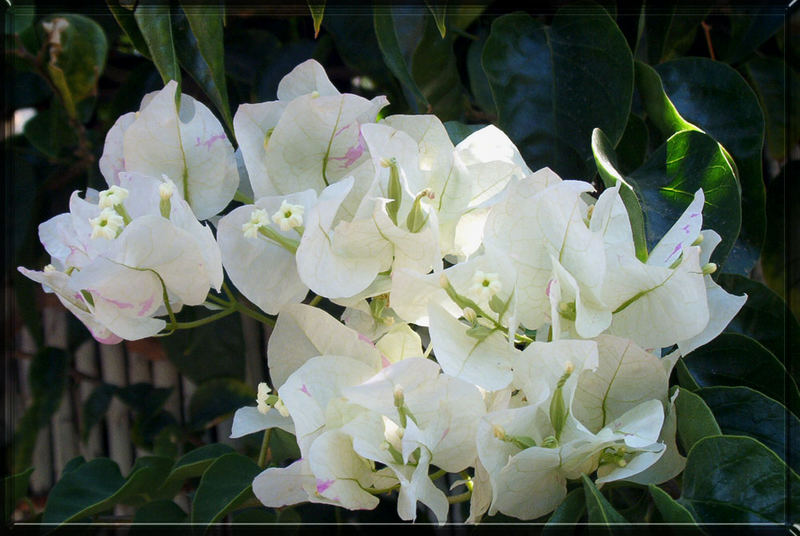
[
  {"x": 399, "y": 343},
  {"x": 266, "y": 414},
  {"x": 188, "y": 144},
  {"x": 339, "y": 258},
  {"x": 120, "y": 280},
  {"x": 303, "y": 332},
  {"x": 257, "y": 251}
]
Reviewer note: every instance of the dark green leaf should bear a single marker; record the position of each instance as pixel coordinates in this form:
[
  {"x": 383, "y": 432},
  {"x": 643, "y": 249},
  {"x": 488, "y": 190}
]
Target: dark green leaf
[
  {"x": 478, "y": 83},
  {"x": 669, "y": 31},
  {"x": 393, "y": 56},
  {"x": 439, "y": 12},
  {"x": 606, "y": 161},
  {"x": 667, "y": 182},
  {"x": 158, "y": 512},
  {"x": 200, "y": 51},
  {"x": 225, "y": 485},
  {"x": 763, "y": 317},
  {"x": 76, "y": 64},
  {"x": 283, "y": 446},
  {"x": 95, "y": 407},
  {"x": 50, "y": 132},
  {"x": 743, "y": 411},
  {"x": 191, "y": 464},
  {"x": 255, "y": 515},
  {"x": 768, "y": 76},
  {"x": 156, "y": 27},
  {"x": 143, "y": 397},
  {"x": 216, "y": 399},
  {"x": 735, "y": 360},
  {"x": 84, "y": 491},
  {"x": 147, "y": 474},
  {"x": 73, "y": 464},
  {"x": 659, "y": 108},
  {"x": 570, "y": 511},
  {"x": 554, "y": 85},
  {"x": 434, "y": 68},
  {"x": 731, "y": 479},
  {"x": 632, "y": 148},
  {"x": 15, "y": 488},
  {"x": 458, "y": 131},
  {"x": 599, "y": 509},
  {"x": 695, "y": 420},
  {"x": 127, "y": 22},
  {"x": 671, "y": 511},
  {"x": 201, "y": 353},
  {"x": 748, "y": 31},
  {"x": 705, "y": 92}
]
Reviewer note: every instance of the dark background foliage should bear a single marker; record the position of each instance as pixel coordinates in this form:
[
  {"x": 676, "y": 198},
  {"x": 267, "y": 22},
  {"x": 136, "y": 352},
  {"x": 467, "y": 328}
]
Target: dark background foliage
[{"x": 710, "y": 87}]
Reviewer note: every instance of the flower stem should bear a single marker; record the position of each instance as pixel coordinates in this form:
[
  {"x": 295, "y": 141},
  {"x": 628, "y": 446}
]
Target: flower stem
[
  {"x": 201, "y": 321},
  {"x": 238, "y": 306},
  {"x": 315, "y": 300},
  {"x": 463, "y": 497},
  {"x": 262, "y": 456}
]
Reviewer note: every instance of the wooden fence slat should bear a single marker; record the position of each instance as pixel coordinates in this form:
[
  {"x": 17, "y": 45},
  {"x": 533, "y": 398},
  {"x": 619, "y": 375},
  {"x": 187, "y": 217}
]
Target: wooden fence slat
[
  {"x": 86, "y": 363},
  {"x": 117, "y": 421}
]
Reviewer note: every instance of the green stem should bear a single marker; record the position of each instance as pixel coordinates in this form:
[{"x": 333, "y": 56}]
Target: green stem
[
  {"x": 238, "y": 306},
  {"x": 463, "y": 497},
  {"x": 228, "y": 292},
  {"x": 202, "y": 321},
  {"x": 315, "y": 300},
  {"x": 218, "y": 301},
  {"x": 438, "y": 474},
  {"x": 262, "y": 456}
]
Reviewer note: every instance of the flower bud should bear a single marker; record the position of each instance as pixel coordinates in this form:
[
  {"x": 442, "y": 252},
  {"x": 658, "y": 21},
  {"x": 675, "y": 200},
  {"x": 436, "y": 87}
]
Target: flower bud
[
  {"x": 498, "y": 432},
  {"x": 698, "y": 240},
  {"x": 470, "y": 315},
  {"x": 709, "y": 268}
]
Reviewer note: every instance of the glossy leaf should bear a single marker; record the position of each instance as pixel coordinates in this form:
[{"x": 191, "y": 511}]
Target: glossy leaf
[
  {"x": 478, "y": 83},
  {"x": 192, "y": 464},
  {"x": 225, "y": 485},
  {"x": 695, "y": 420},
  {"x": 732, "y": 479},
  {"x": 570, "y": 511},
  {"x": 78, "y": 50},
  {"x": 393, "y": 56},
  {"x": 632, "y": 148},
  {"x": 161, "y": 511},
  {"x": 541, "y": 78},
  {"x": 155, "y": 24},
  {"x": 606, "y": 160},
  {"x": 743, "y": 411},
  {"x": 763, "y": 316},
  {"x": 671, "y": 511},
  {"x": 669, "y": 31},
  {"x": 98, "y": 485},
  {"x": 659, "y": 108},
  {"x": 435, "y": 72},
  {"x": 599, "y": 509},
  {"x": 769, "y": 79},
  {"x": 705, "y": 92},
  {"x": 216, "y": 399},
  {"x": 200, "y": 51},
  {"x": 127, "y": 22},
  {"x": 667, "y": 182},
  {"x": 736, "y": 360}
]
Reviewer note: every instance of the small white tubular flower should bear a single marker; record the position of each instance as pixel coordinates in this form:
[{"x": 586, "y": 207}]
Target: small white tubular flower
[
  {"x": 107, "y": 224},
  {"x": 261, "y": 398},
  {"x": 166, "y": 188},
  {"x": 281, "y": 407},
  {"x": 258, "y": 218},
  {"x": 485, "y": 285},
  {"x": 288, "y": 216},
  {"x": 49, "y": 268},
  {"x": 113, "y": 196}
]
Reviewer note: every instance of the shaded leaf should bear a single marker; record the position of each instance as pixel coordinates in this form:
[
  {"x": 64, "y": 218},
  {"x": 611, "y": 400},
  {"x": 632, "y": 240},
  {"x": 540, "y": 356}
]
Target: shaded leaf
[
  {"x": 478, "y": 83},
  {"x": 599, "y": 509},
  {"x": 632, "y": 148},
  {"x": 127, "y": 22},
  {"x": 545, "y": 84},
  {"x": 192, "y": 464},
  {"x": 95, "y": 407},
  {"x": 217, "y": 398},
  {"x": 457, "y": 131},
  {"x": 671, "y": 511},
  {"x": 225, "y": 485},
  {"x": 158, "y": 512},
  {"x": 743, "y": 411},
  {"x": 748, "y": 31},
  {"x": 144, "y": 397},
  {"x": 439, "y": 12},
  {"x": 435, "y": 72},
  {"x": 78, "y": 50},
  {"x": 731, "y": 479},
  {"x": 317, "y": 9},
  {"x": 200, "y": 51},
  {"x": 667, "y": 182},
  {"x": 50, "y": 132},
  {"x": 156, "y": 27},
  {"x": 695, "y": 420},
  {"x": 736, "y": 360},
  {"x": 570, "y": 511},
  {"x": 393, "y": 56},
  {"x": 669, "y": 31}
]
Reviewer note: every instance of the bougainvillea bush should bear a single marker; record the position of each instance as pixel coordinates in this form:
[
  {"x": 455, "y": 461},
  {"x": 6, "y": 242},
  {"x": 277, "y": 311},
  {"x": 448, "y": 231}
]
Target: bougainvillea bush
[{"x": 514, "y": 267}]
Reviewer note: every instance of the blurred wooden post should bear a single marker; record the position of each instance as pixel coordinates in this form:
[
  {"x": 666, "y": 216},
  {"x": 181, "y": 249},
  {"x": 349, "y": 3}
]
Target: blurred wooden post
[
  {"x": 117, "y": 422},
  {"x": 86, "y": 363}
]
